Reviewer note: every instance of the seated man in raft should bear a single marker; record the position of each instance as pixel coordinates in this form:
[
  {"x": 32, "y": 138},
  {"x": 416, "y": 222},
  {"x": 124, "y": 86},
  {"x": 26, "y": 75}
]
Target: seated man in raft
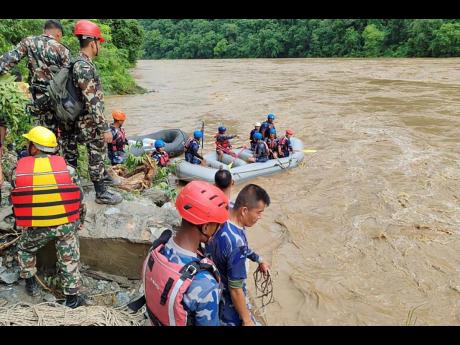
[
  {"x": 284, "y": 144},
  {"x": 160, "y": 155},
  {"x": 191, "y": 149},
  {"x": 223, "y": 143},
  {"x": 261, "y": 151},
  {"x": 272, "y": 143}
]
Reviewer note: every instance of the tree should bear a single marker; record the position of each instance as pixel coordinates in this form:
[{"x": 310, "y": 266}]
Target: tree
[
  {"x": 373, "y": 40},
  {"x": 221, "y": 48},
  {"x": 446, "y": 40}
]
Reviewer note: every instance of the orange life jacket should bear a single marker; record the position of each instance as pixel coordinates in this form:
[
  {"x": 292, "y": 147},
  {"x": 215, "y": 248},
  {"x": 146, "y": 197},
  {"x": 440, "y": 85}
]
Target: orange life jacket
[{"x": 45, "y": 194}]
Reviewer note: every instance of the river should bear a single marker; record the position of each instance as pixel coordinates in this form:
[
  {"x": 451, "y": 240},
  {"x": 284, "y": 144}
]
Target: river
[{"x": 367, "y": 229}]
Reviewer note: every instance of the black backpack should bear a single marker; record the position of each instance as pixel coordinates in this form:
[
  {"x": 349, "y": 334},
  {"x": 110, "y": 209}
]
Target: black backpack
[{"x": 66, "y": 100}]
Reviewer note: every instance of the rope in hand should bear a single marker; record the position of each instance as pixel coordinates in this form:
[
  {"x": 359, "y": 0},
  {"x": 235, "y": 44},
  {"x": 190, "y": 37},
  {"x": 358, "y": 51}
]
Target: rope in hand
[{"x": 264, "y": 285}]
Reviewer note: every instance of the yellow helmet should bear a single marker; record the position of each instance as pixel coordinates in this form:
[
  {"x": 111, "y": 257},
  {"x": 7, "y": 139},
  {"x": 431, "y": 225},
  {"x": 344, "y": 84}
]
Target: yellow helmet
[{"x": 43, "y": 139}]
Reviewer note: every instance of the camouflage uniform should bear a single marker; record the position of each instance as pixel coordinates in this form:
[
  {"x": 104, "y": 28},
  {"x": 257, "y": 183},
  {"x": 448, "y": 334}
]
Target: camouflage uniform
[
  {"x": 90, "y": 126},
  {"x": 44, "y": 54},
  {"x": 67, "y": 246}
]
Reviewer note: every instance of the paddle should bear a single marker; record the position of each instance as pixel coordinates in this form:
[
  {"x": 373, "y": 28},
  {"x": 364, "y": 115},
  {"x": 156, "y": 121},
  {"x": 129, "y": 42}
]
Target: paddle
[
  {"x": 202, "y": 138},
  {"x": 234, "y": 159},
  {"x": 306, "y": 151}
]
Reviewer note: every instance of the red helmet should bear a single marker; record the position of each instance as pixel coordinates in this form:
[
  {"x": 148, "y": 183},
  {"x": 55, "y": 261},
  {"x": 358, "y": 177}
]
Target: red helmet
[
  {"x": 200, "y": 202},
  {"x": 119, "y": 115},
  {"x": 289, "y": 131},
  {"x": 87, "y": 28}
]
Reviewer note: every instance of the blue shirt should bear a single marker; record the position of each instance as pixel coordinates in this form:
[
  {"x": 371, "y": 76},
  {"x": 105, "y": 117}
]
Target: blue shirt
[
  {"x": 201, "y": 299},
  {"x": 229, "y": 250}
]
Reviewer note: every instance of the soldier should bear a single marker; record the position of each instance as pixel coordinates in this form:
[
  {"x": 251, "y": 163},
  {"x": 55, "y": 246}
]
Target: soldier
[
  {"x": 90, "y": 128},
  {"x": 47, "y": 205},
  {"x": 45, "y": 55}
]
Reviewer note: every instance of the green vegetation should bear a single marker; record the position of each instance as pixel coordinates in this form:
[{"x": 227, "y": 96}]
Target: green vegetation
[
  {"x": 161, "y": 180},
  {"x": 291, "y": 38},
  {"x": 124, "y": 39},
  {"x": 13, "y": 102}
]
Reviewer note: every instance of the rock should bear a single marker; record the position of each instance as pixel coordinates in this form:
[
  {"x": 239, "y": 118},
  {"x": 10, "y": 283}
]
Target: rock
[
  {"x": 158, "y": 196},
  {"x": 9, "y": 276},
  {"x": 49, "y": 297},
  {"x": 101, "y": 285},
  {"x": 112, "y": 211},
  {"x": 122, "y": 299},
  {"x": 115, "y": 239}
]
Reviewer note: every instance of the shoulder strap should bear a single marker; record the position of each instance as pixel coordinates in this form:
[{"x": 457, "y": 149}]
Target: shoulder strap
[
  {"x": 190, "y": 270},
  {"x": 164, "y": 237}
]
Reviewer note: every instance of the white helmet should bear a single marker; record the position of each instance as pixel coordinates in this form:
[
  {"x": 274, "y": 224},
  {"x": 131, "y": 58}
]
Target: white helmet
[{"x": 257, "y": 124}]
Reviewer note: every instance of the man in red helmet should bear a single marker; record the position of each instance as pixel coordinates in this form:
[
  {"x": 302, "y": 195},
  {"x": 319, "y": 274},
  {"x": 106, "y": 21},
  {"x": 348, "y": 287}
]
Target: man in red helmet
[
  {"x": 90, "y": 128},
  {"x": 181, "y": 285}
]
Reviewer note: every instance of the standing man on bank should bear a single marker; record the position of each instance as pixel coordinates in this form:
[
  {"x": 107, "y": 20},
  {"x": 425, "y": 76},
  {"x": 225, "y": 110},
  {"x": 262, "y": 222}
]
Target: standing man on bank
[
  {"x": 47, "y": 205},
  {"x": 91, "y": 127},
  {"x": 229, "y": 250},
  {"x": 45, "y": 55}
]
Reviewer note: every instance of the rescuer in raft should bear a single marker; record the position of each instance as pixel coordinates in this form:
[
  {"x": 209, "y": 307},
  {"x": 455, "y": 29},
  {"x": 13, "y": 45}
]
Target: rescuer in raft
[{"x": 47, "y": 205}]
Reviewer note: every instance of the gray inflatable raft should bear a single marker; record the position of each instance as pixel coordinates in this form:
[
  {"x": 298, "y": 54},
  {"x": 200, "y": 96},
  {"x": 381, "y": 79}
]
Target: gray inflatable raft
[
  {"x": 174, "y": 138},
  {"x": 241, "y": 170}
]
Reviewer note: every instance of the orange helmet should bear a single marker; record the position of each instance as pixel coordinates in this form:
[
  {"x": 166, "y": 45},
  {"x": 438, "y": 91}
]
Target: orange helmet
[
  {"x": 118, "y": 115},
  {"x": 289, "y": 131},
  {"x": 87, "y": 28},
  {"x": 200, "y": 202}
]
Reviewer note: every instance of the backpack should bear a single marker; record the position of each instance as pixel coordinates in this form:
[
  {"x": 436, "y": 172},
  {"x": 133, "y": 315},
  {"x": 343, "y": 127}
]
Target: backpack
[{"x": 66, "y": 100}]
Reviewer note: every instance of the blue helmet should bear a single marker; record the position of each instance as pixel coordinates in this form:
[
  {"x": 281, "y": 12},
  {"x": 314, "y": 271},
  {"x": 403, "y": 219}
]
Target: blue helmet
[
  {"x": 272, "y": 131},
  {"x": 198, "y": 134},
  {"x": 271, "y": 116},
  {"x": 257, "y": 136},
  {"x": 222, "y": 129},
  {"x": 159, "y": 143}
]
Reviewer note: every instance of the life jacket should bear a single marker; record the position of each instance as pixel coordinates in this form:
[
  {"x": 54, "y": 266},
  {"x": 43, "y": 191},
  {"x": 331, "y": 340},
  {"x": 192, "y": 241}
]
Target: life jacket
[
  {"x": 264, "y": 127},
  {"x": 45, "y": 194},
  {"x": 283, "y": 143},
  {"x": 222, "y": 143},
  {"x": 163, "y": 158},
  {"x": 166, "y": 282},
  {"x": 119, "y": 139},
  {"x": 188, "y": 144},
  {"x": 272, "y": 143}
]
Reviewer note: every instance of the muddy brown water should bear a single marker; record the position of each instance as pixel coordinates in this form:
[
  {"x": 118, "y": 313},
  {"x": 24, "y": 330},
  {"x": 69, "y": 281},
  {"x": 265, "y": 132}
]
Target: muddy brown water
[{"x": 367, "y": 230}]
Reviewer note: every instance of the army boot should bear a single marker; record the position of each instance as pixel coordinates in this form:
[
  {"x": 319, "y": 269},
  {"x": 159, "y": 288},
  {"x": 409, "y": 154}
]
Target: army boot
[
  {"x": 74, "y": 301},
  {"x": 32, "y": 287},
  {"x": 105, "y": 196},
  {"x": 107, "y": 179}
]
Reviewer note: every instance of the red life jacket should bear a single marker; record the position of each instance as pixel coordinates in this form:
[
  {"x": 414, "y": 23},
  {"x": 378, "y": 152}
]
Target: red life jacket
[
  {"x": 166, "y": 282},
  {"x": 119, "y": 139},
  {"x": 272, "y": 144},
  {"x": 45, "y": 194},
  {"x": 163, "y": 158},
  {"x": 224, "y": 144}
]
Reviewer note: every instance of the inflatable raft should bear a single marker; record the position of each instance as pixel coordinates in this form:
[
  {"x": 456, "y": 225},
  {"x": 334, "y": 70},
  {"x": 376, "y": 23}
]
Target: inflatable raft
[
  {"x": 174, "y": 138},
  {"x": 241, "y": 170}
]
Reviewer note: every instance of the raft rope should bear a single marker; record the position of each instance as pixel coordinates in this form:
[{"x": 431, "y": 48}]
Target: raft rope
[{"x": 264, "y": 286}]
